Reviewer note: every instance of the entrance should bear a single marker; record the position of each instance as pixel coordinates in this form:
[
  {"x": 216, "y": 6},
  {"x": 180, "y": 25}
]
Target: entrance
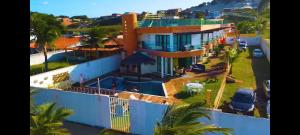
[{"x": 119, "y": 114}]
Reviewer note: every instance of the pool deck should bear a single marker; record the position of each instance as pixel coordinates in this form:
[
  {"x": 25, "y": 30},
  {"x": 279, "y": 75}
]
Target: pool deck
[{"x": 172, "y": 86}]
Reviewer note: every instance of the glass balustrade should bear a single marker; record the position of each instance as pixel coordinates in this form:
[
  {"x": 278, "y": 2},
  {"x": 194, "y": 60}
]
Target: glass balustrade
[
  {"x": 173, "y": 48},
  {"x": 176, "y": 22}
]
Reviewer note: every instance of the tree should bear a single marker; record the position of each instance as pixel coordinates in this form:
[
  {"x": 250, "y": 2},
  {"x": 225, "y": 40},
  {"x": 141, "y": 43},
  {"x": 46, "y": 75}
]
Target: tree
[
  {"x": 47, "y": 119},
  {"x": 183, "y": 120},
  {"x": 247, "y": 27},
  {"x": 200, "y": 15},
  {"x": 46, "y": 29},
  {"x": 95, "y": 39}
]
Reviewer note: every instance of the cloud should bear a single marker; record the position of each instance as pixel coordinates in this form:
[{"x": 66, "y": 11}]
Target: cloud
[{"x": 45, "y": 3}]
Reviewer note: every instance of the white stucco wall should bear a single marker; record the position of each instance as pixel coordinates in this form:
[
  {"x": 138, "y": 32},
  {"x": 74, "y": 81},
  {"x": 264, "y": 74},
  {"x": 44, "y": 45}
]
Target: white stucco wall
[
  {"x": 39, "y": 58},
  {"x": 90, "y": 69},
  {"x": 252, "y": 41},
  {"x": 88, "y": 109},
  {"x": 147, "y": 114},
  {"x": 265, "y": 48},
  {"x": 196, "y": 39}
]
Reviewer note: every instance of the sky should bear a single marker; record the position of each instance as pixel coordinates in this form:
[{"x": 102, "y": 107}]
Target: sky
[{"x": 97, "y": 8}]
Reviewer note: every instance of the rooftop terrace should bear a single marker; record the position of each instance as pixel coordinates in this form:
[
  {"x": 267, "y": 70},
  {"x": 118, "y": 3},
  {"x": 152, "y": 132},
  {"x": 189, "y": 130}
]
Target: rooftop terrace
[{"x": 176, "y": 22}]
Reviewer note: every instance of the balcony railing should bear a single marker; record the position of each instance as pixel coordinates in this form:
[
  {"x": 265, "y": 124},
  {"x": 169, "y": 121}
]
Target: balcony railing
[
  {"x": 172, "y": 49},
  {"x": 176, "y": 22}
]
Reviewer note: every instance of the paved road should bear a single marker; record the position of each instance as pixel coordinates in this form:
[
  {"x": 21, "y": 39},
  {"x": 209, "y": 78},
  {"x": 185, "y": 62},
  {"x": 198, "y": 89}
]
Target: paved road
[{"x": 79, "y": 129}]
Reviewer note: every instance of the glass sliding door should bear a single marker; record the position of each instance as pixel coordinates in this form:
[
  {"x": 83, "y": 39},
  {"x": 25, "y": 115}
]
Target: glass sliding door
[
  {"x": 180, "y": 40},
  {"x": 163, "y": 41}
]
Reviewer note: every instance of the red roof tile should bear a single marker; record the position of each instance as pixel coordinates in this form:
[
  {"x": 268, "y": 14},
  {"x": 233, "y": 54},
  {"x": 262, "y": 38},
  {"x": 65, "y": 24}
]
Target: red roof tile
[
  {"x": 114, "y": 41},
  {"x": 67, "y": 21},
  {"x": 61, "y": 43}
]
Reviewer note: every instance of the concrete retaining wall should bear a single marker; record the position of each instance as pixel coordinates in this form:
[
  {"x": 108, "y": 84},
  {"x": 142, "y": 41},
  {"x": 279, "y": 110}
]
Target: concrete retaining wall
[
  {"x": 252, "y": 41},
  {"x": 265, "y": 48}
]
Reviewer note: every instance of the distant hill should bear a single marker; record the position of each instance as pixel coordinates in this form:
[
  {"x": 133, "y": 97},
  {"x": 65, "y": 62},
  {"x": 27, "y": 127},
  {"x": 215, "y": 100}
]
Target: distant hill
[{"x": 219, "y": 5}]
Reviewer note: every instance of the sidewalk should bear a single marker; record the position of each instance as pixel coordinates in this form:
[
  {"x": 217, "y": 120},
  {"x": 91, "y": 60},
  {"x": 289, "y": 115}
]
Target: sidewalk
[{"x": 80, "y": 129}]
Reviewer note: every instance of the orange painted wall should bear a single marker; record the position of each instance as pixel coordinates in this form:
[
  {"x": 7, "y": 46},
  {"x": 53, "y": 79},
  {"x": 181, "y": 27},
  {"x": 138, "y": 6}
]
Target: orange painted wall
[{"x": 129, "y": 25}]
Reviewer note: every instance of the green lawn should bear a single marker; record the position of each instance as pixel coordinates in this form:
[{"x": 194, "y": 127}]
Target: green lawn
[
  {"x": 40, "y": 68},
  {"x": 213, "y": 86},
  {"x": 120, "y": 122},
  {"x": 242, "y": 70},
  {"x": 250, "y": 71}
]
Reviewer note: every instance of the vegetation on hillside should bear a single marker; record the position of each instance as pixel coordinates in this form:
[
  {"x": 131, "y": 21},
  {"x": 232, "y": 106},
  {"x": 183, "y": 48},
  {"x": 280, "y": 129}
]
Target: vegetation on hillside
[{"x": 104, "y": 29}]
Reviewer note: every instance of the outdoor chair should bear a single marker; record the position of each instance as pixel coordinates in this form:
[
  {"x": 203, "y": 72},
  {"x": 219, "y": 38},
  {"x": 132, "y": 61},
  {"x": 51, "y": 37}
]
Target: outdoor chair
[{"x": 199, "y": 68}]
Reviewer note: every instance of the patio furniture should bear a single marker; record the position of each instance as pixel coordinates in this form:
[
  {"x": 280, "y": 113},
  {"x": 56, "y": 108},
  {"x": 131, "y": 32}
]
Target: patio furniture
[
  {"x": 194, "y": 88},
  {"x": 199, "y": 68}
]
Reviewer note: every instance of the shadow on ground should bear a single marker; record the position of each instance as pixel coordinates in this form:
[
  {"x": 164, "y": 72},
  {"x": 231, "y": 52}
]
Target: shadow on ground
[{"x": 261, "y": 69}]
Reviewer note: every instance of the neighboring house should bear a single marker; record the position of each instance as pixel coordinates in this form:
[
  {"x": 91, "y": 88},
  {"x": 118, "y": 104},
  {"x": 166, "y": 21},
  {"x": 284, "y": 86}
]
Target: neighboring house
[
  {"x": 170, "y": 17},
  {"x": 214, "y": 15},
  {"x": 67, "y": 21},
  {"x": 61, "y": 43},
  {"x": 115, "y": 42},
  {"x": 172, "y": 43}
]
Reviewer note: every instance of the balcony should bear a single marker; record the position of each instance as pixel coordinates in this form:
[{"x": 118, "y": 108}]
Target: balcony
[
  {"x": 175, "y": 22},
  {"x": 169, "y": 48}
]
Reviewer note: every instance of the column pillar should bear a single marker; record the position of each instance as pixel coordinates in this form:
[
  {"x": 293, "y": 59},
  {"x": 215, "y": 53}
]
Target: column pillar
[
  {"x": 201, "y": 39},
  {"x": 171, "y": 66},
  {"x": 162, "y": 67},
  {"x": 172, "y": 49},
  {"x": 166, "y": 65}
]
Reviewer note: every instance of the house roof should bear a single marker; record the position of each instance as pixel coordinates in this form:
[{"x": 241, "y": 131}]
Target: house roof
[
  {"x": 67, "y": 21},
  {"x": 61, "y": 42},
  {"x": 138, "y": 58},
  {"x": 114, "y": 41},
  {"x": 33, "y": 45},
  {"x": 64, "y": 42}
]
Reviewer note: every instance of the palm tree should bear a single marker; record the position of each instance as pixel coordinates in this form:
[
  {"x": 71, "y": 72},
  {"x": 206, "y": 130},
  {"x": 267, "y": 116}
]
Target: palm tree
[
  {"x": 46, "y": 29},
  {"x": 95, "y": 38},
  {"x": 46, "y": 119},
  {"x": 32, "y": 108},
  {"x": 183, "y": 120}
]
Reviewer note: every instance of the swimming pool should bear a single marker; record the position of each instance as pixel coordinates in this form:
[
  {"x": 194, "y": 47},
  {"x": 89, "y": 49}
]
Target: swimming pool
[{"x": 149, "y": 87}]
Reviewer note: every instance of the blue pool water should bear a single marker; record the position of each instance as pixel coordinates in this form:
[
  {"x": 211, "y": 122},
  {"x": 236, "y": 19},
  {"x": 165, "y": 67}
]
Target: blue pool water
[{"x": 150, "y": 87}]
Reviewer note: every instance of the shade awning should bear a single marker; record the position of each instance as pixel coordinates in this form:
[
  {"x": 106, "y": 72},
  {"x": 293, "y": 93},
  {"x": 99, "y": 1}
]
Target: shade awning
[{"x": 138, "y": 58}]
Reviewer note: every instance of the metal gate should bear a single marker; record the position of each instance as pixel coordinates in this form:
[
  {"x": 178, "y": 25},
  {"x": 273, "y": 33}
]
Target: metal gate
[{"x": 119, "y": 114}]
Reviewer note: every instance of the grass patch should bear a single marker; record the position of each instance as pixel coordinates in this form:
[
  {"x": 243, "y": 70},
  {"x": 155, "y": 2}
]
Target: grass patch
[
  {"x": 213, "y": 86},
  {"x": 120, "y": 122},
  {"x": 242, "y": 70},
  {"x": 40, "y": 68},
  {"x": 251, "y": 72}
]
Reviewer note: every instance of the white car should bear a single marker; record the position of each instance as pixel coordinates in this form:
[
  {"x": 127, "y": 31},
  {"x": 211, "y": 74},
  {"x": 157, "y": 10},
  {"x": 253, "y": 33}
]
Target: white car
[
  {"x": 243, "y": 45},
  {"x": 257, "y": 53}
]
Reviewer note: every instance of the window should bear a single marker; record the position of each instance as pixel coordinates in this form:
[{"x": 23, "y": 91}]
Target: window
[{"x": 162, "y": 41}]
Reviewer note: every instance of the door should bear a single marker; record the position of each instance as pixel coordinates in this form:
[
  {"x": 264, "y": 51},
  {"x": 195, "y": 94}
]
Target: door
[{"x": 119, "y": 114}]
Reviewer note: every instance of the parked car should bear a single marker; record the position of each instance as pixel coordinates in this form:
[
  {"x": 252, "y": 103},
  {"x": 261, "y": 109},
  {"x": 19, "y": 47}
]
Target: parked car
[
  {"x": 199, "y": 68},
  {"x": 257, "y": 53},
  {"x": 243, "y": 100},
  {"x": 243, "y": 45},
  {"x": 266, "y": 88},
  {"x": 268, "y": 108}
]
